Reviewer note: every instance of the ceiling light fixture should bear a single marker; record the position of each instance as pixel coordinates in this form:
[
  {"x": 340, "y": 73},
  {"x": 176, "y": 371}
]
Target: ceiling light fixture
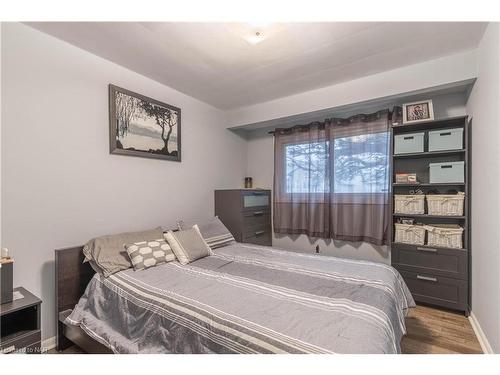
[{"x": 255, "y": 37}]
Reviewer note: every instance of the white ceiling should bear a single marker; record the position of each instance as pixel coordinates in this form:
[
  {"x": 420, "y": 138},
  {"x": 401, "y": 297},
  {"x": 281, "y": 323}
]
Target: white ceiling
[{"x": 214, "y": 63}]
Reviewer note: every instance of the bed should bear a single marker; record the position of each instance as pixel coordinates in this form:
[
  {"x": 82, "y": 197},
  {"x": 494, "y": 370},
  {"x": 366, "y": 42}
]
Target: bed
[{"x": 242, "y": 299}]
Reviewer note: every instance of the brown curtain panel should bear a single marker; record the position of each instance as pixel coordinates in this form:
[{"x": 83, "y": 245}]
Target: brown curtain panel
[{"x": 331, "y": 179}]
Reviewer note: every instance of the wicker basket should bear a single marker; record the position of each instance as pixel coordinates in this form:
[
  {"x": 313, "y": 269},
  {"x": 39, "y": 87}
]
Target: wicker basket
[
  {"x": 409, "y": 204},
  {"x": 412, "y": 234},
  {"x": 445, "y": 236},
  {"x": 445, "y": 205}
]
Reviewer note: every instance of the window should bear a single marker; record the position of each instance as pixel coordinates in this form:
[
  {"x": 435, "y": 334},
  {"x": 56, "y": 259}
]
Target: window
[
  {"x": 331, "y": 178},
  {"x": 360, "y": 165},
  {"x": 306, "y": 167}
]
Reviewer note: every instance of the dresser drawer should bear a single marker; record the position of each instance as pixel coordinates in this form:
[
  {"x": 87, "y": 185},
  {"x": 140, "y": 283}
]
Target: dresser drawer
[
  {"x": 256, "y": 218},
  {"x": 439, "y": 261},
  {"x": 259, "y": 237},
  {"x": 255, "y": 200},
  {"x": 437, "y": 290},
  {"x": 256, "y": 230},
  {"x": 19, "y": 343}
]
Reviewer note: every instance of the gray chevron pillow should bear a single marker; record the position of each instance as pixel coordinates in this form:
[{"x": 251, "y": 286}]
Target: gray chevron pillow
[{"x": 147, "y": 254}]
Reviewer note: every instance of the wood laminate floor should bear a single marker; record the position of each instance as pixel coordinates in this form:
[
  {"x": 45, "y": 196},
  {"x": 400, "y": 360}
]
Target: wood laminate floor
[
  {"x": 434, "y": 331},
  {"x": 429, "y": 331}
]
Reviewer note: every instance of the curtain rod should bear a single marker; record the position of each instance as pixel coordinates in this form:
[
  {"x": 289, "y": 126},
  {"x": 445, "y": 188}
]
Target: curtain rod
[
  {"x": 296, "y": 127},
  {"x": 320, "y": 122}
]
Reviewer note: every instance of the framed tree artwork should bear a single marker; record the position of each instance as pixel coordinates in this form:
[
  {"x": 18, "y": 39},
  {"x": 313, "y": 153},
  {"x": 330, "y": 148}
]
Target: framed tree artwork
[{"x": 142, "y": 126}]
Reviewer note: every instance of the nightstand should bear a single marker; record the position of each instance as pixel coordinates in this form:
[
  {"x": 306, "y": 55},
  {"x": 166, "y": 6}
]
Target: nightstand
[{"x": 20, "y": 324}]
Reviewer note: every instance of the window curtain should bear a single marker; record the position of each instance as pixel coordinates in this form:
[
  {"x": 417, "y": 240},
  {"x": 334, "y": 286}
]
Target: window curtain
[{"x": 331, "y": 179}]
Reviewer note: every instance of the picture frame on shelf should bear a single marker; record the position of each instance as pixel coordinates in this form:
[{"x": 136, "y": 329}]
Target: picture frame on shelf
[{"x": 420, "y": 111}]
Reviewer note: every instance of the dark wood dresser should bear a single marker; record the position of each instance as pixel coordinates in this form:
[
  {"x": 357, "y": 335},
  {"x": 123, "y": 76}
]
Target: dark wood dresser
[
  {"x": 20, "y": 324},
  {"x": 246, "y": 213}
]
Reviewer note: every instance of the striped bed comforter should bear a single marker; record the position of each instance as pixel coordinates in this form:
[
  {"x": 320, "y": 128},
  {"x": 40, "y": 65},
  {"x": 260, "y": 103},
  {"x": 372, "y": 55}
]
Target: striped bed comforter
[{"x": 248, "y": 299}]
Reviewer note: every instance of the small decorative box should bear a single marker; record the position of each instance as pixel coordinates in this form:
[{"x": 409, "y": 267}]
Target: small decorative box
[{"x": 406, "y": 178}]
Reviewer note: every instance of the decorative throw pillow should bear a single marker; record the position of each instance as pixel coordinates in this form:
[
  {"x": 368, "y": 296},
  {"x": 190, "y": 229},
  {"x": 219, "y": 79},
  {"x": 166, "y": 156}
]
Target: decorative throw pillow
[
  {"x": 188, "y": 245},
  {"x": 147, "y": 254},
  {"x": 214, "y": 232},
  {"x": 107, "y": 254}
]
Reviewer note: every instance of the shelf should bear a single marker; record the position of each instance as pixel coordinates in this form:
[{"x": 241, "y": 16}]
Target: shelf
[
  {"x": 448, "y": 267},
  {"x": 428, "y": 154},
  {"x": 425, "y": 246},
  {"x": 431, "y": 125},
  {"x": 429, "y": 216},
  {"x": 424, "y": 184}
]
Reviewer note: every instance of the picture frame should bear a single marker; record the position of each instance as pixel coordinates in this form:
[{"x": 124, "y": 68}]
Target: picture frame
[
  {"x": 142, "y": 126},
  {"x": 420, "y": 111}
]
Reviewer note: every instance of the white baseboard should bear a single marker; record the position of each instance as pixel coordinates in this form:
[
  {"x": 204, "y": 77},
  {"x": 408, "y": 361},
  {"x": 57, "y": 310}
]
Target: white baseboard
[
  {"x": 48, "y": 344},
  {"x": 483, "y": 340}
]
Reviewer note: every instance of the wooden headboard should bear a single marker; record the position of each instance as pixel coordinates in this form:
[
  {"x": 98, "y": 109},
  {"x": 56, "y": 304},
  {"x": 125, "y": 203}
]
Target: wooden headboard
[{"x": 72, "y": 278}]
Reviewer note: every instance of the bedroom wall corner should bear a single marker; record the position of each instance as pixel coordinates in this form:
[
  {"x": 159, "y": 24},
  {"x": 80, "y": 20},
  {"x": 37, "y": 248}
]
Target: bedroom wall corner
[
  {"x": 60, "y": 185},
  {"x": 482, "y": 105}
]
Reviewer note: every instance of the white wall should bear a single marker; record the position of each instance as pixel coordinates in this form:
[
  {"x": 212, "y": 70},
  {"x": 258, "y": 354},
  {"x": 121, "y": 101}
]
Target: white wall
[
  {"x": 483, "y": 105},
  {"x": 260, "y": 157},
  {"x": 433, "y": 73},
  {"x": 60, "y": 186}
]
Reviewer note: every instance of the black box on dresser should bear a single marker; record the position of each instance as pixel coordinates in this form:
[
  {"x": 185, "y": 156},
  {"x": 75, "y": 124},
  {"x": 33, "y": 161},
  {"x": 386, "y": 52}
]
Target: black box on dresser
[{"x": 6, "y": 276}]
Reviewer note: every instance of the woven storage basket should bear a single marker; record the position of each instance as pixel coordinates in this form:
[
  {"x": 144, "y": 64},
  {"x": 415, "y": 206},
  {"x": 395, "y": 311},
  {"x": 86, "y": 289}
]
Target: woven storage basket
[
  {"x": 444, "y": 236},
  {"x": 412, "y": 234},
  {"x": 445, "y": 205},
  {"x": 409, "y": 204}
]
